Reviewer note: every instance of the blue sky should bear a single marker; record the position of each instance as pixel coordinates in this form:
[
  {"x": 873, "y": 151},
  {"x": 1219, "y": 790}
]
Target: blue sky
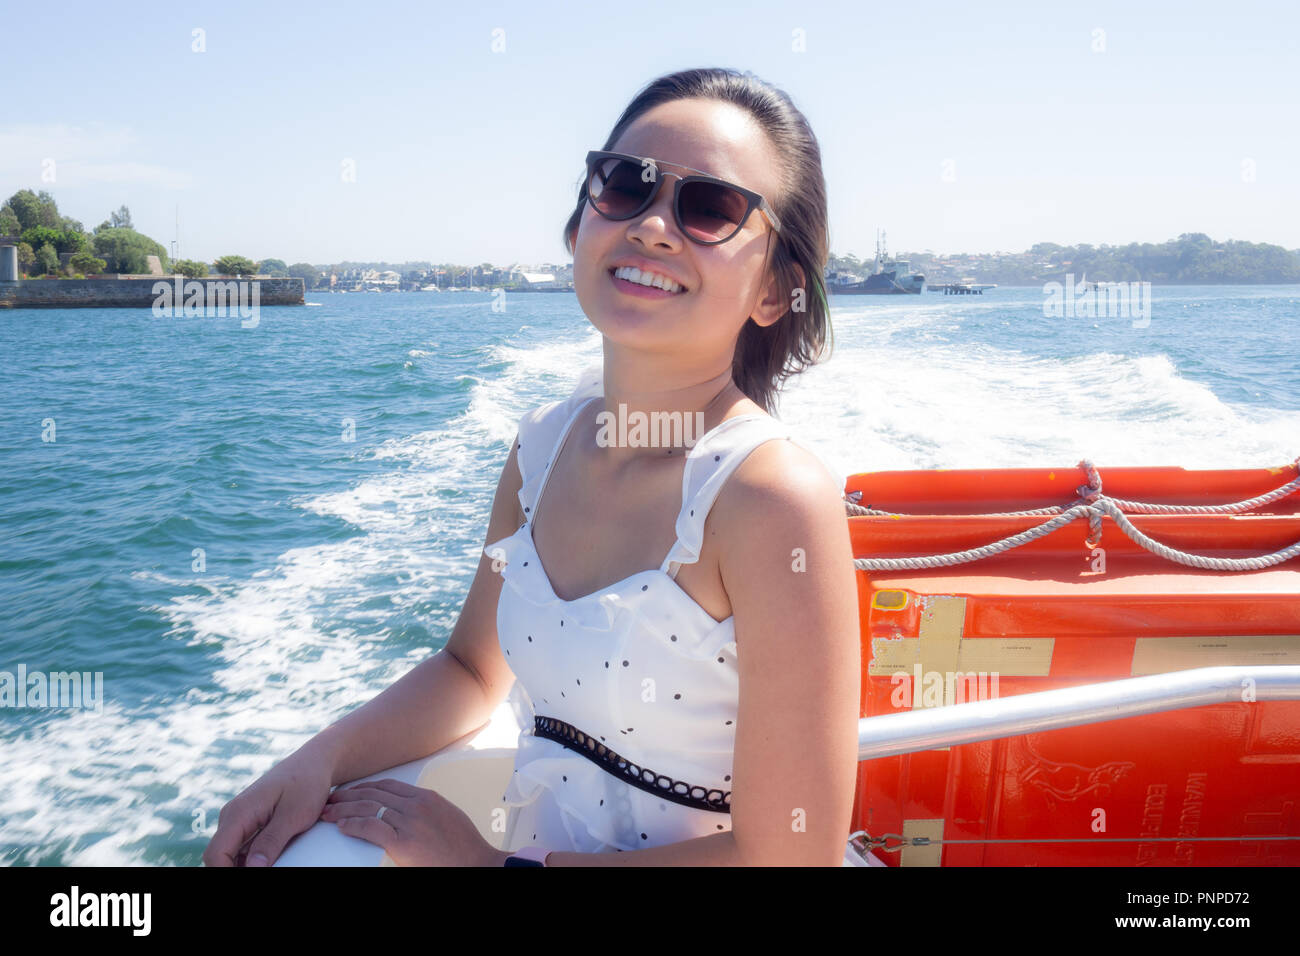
[{"x": 953, "y": 126}]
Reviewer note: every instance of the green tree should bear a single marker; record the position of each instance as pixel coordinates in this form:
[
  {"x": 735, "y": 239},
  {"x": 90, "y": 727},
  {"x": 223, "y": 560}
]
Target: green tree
[
  {"x": 62, "y": 240},
  {"x": 47, "y": 259},
  {"x": 72, "y": 240},
  {"x": 9, "y": 225},
  {"x": 120, "y": 218},
  {"x": 38, "y": 236},
  {"x": 307, "y": 272},
  {"x": 235, "y": 266},
  {"x": 127, "y": 250},
  {"x": 34, "y": 210},
  {"x": 26, "y": 258},
  {"x": 272, "y": 267},
  {"x": 190, "y": 269},
  {"x": 47, "y": 211},
  {"x": 87, "y": 264},
  {"x": 26, "y": 207}
]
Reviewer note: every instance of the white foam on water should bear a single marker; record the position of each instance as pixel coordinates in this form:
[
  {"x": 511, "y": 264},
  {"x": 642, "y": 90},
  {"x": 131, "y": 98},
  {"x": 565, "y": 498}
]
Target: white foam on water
[
  {"x": 296, "y": 646},
  {"x": 114, "y": 782},
  {"x": 887, "y": 402},
  {"x": 894, "y": 395}
]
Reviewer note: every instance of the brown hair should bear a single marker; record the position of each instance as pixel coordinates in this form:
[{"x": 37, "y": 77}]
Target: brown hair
[{"x": 765, "y": 356}]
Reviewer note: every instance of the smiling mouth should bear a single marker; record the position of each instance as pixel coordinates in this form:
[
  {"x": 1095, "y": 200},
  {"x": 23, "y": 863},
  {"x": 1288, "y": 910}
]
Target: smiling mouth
[{"x": 613, "y": 273}]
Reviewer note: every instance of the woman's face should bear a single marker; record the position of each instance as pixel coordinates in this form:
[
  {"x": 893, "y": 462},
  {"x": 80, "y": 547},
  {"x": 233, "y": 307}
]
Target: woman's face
[{"x": 723, "y": 284}]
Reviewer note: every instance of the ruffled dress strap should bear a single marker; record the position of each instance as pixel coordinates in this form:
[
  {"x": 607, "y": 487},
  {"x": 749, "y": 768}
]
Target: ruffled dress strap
[
  {"x": 708, "y": 466},
  {"x": 541, "y": 431}
]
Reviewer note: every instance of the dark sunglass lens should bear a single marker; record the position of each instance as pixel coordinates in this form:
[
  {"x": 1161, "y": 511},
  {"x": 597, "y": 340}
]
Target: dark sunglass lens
[
  {"x": 711, "y": 212},
  {"x": 617, "y": 187}
]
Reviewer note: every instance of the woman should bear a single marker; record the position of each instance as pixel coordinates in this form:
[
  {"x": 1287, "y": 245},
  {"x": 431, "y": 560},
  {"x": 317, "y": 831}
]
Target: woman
[{"x": 717, "y": 724}]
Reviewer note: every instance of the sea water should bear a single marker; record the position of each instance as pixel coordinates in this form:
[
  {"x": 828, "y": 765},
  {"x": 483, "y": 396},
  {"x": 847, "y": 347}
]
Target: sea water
[{"x": 251, "y": 531}]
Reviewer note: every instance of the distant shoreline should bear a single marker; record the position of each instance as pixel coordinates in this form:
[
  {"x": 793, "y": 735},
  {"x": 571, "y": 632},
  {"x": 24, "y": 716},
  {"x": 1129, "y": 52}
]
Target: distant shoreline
[{"x": 173, "y": 292}]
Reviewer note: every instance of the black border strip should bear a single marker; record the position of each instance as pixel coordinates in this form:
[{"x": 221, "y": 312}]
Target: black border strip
[{"x": 661, "y": 785}]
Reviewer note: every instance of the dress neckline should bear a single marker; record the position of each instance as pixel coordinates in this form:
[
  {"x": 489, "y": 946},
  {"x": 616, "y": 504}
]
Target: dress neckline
[
  {"x": 660, "y": 571},
  {"x": 617, "y": 585}
]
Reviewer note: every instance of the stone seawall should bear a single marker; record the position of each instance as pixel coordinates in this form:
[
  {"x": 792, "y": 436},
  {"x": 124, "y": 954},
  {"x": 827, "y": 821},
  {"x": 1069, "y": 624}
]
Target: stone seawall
[{"x": 145, "y": 293}]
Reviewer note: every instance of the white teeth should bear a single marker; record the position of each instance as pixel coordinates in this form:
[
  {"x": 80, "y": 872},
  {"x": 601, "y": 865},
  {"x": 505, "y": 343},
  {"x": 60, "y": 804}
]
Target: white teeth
[{"x": 633, "y": 274}]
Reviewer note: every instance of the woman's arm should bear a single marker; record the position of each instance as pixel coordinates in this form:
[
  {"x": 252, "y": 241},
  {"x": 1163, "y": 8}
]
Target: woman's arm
[
  {"x": 449, "y": 694},
  {"x": 787, "y": 565},
  {"x": 440, "y": 700},
  {"x": 436, "y": 702}
]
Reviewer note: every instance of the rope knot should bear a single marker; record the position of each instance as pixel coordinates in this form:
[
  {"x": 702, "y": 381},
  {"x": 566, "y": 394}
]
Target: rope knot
[
  {"x": 1092, "y": 490},
  {"x": 1094, "y": 527}
]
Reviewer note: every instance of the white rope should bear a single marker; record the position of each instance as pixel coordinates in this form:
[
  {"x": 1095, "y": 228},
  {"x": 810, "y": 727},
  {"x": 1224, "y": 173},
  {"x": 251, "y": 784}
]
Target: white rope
[{"x": 1093, "y": 505}]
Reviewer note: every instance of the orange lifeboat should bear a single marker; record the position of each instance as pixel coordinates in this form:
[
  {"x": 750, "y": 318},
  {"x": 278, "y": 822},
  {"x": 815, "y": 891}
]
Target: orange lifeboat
[{"x": 1152, "y": 629}]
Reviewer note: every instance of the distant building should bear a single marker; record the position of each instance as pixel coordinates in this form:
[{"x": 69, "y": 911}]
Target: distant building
[
  {"x": 388, "y": 279},
  {"x": 538, "y": 280}
]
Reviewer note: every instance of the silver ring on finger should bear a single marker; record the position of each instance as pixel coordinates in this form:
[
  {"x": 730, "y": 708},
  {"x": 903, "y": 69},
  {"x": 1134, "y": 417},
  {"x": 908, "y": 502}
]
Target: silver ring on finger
[{"x": 380, "y": 814}]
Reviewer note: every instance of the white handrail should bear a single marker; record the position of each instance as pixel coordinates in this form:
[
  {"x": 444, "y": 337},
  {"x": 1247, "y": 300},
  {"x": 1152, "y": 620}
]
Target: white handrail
[{"x": 910, "y": 731}]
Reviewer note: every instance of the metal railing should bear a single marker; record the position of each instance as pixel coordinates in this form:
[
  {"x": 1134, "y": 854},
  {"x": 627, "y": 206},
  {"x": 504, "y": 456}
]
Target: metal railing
[{"x": 887, "y": 735}]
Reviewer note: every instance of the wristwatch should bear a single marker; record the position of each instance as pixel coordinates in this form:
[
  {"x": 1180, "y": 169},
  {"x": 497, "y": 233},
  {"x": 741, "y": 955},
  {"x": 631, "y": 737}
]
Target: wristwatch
[{"x": 528, "y": 856}]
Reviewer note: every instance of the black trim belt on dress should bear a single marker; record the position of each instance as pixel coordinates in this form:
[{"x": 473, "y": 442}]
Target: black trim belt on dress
[{"x": 552, "y": 728}]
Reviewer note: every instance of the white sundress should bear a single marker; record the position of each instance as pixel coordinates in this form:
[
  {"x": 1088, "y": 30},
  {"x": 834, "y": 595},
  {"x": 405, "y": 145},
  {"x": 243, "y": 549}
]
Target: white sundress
[{"x": 637, "y": 667}]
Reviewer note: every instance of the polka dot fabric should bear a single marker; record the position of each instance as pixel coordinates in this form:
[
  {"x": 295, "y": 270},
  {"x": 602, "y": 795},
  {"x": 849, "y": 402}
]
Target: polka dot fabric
[{"x": 638, "y": 665}]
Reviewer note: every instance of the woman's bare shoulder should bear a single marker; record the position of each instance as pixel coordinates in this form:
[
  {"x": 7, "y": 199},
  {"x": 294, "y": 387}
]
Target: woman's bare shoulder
[
  {"x": 781, "y": 496},
  {"x": 783, "y": 511},
  {"x": 778, "y": 476}
]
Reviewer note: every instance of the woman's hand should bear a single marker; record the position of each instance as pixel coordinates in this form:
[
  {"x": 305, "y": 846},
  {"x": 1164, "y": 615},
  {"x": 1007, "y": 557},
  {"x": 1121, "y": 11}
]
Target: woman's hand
[
  {"x": 277, "y": 807},
  {"x": 419, "y": 827}
]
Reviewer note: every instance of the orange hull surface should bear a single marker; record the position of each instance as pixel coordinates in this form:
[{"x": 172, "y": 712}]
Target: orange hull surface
[{"x": 1061, "y": 611}]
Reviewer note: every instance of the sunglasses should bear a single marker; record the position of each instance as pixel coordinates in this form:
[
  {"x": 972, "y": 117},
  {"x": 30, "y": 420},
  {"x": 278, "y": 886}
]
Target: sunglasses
[{"x": 707, "y": 209}]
